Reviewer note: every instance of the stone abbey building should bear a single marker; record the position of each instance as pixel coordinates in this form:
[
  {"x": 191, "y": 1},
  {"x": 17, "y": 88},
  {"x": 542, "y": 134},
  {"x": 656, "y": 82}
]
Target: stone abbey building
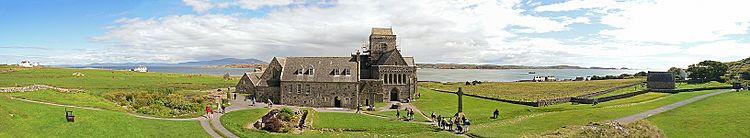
[{"x": 378, "y": 74}]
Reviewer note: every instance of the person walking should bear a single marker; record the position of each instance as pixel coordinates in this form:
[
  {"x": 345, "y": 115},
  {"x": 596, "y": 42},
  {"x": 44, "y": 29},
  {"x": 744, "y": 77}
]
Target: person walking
[
  {"x": 398, "y": 114},
  {"x": 223, "y": 109},
  {"x": 496, "y": 114},
  {"x": 466, "y": 123},
  {"x": 359, "y": 108},
  {"x": 270, "y": 103},
  {"x": 234, "y": 96}
]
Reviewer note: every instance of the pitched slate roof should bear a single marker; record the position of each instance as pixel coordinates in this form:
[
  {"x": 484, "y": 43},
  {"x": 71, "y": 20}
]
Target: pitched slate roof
[
  {"x": 322, "y": 69},
  {"x": 254, "y": 77},
  {"x": 392, "y": 57},
  {"x": 409, "y": 61},
  {"x": 655, "y": 76},
  {"x": 381, "y": 31}
]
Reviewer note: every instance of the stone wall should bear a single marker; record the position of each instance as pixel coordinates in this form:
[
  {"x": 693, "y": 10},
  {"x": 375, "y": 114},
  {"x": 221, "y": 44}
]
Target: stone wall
[
  {"x": 661, "y": 85},
  {"x": 36, "y": 87},
  {"x": 401, "y": 79},
  {"x": 319, "y": 94},
  {"x": 371, "y": 92}
]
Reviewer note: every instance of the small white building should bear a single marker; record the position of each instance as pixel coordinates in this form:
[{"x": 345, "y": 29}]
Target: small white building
[
  {"x": 28, "y": 64},
  {"x": 140, "y": 68}
]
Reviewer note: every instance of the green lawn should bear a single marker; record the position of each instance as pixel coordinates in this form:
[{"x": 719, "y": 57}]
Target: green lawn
[
  {"x": 391, "y": 114},
  {"x": 156, "y": 94},
  {"x": 79, "y": 99},
  {"x": 683, "y": 85},
  {"x": 98, "y": 81},
  {"x": 532, "y": 91},
  {"x": 373, "y": 126},
  {"x": 724, "y": 115},
  {"x": 330, "y": 124},
  {"x": 518, "y": 120},
  {"x": 23, "y": 119}
]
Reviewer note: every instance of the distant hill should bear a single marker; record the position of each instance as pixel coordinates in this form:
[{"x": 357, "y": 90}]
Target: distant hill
[
  {"x": 739, "y": 66},
  {"x": 192, "y": 63},
  {"x": 489, "y": 66},
  {"x": 223, "y": 62}
]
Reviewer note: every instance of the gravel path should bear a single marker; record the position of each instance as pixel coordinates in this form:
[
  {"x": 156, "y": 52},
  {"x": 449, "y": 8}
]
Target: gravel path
[{"x": 665, "y": 108}]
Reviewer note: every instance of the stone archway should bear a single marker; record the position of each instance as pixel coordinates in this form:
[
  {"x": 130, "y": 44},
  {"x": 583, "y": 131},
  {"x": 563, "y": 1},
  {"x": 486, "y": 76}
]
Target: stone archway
[
  {"x": 337, "y": 102},
  {"x": 394, "y": 94}
]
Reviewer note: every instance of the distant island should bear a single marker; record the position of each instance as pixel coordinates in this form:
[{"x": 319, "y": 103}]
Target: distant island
[
  {"x": 260, "y": 65},
  {"x": 208, "y": 63},
  {"x": 490, "y": 66}
]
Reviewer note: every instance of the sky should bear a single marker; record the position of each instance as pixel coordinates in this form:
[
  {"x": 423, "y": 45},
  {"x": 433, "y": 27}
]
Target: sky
[{"x": 654, "y": 34}]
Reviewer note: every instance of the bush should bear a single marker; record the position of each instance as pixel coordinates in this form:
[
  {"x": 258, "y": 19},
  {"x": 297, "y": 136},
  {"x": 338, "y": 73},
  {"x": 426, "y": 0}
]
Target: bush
[{"x": 159, "y": 104}]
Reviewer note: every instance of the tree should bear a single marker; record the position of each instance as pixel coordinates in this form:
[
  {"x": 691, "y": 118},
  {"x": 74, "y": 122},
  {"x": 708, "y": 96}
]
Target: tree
[
  {"x": 708, "y": 71},
  {"x": 642, "y": 73},
  {"x": 678, "y": 73}
]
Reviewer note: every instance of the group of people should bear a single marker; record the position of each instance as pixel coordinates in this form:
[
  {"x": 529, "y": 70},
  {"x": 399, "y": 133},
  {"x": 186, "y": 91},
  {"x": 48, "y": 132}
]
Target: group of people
[
  {"x": 210, "y": 113},
  {"x": 446, "y": 123},
  {"x": 409, "y": 114}
]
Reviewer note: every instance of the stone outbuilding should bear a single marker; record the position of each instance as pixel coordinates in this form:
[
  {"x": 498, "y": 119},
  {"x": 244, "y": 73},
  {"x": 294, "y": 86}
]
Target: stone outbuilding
[
  {"x": 660, "y": 80},
  {"x": 377, "y": 74}
]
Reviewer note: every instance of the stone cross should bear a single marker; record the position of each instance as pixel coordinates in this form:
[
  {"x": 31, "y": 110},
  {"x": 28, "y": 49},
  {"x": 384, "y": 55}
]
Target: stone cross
[{"x": 460, "y": 100}]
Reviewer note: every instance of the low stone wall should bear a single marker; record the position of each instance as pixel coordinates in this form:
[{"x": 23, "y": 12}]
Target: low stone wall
[
  {"x": 36, "y": 87},
  {"x": 689, "y": 90},
  {"x": 535, "y": 104},
  {"x": 583, "y": 100},
  {"x": 609, "y": 90}
]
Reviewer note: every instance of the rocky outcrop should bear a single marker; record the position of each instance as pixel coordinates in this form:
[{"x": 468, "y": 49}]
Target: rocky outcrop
[{"x": 36, "y": 87}]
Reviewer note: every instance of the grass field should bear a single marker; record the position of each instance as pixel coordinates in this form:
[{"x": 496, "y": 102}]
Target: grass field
[
  {"x": 724, "y": 115},
  {"x": 98, "y": 81},
  {"x": 157, "y": 94},
  {"x": 532, "y": 91},
  {"x": 23, "y": 119},
  {"x": 330, "y": 124},
  {"x": 623, "y": 91},
  {"x": 683, "y": 85},
  {"x": 518, "y": 120}
]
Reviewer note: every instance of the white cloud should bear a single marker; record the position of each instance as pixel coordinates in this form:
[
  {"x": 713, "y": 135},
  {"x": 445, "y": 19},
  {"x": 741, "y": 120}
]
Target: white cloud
[
  {"x": 446, "y": 31},
  {"x": 433, "y": 31},
  {"x": 665, "y": 21},
  {"x": 199, "y": 5},
  {"x": 255, "y": 4}
]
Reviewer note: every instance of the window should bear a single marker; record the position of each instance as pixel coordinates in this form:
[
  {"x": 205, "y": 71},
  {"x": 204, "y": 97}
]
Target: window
[
  {"x": 299, "y": 88},
  {"x": 346, "y": 72},
  {"x": 335, "y": 72},
  {"x": 298, "y": 72},
  {"x": 309, "y": 71},
  {"x": 307, "y": 88}
]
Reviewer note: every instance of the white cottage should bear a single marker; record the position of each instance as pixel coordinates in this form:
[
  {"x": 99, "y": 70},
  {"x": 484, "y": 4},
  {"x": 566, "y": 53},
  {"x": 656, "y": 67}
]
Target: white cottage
[{"x": 140, "y": 68}]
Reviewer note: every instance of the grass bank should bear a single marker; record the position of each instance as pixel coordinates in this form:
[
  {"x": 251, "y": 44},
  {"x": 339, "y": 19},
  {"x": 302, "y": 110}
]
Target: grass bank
[
  {"x": 724, "y": 115},
  {"x": 532, "y": 91}
]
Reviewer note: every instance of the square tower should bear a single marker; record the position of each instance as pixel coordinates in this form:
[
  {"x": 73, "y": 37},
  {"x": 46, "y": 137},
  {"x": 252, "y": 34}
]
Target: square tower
[{"x": 382, "y": 40}]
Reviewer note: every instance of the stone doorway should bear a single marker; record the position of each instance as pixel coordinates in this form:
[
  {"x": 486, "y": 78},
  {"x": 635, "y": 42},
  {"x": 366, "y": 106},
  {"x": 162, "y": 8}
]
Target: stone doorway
[
  {"x": 337, "y": 102},
  {"x": 394, "y": 94}
]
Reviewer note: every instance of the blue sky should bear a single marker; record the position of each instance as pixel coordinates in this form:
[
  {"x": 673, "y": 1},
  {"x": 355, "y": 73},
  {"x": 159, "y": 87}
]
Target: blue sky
[{"x": 631, "y": 33}]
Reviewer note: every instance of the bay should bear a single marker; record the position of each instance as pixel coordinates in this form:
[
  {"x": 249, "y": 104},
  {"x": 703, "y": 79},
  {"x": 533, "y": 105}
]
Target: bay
[{"x": 510, "y": 75}]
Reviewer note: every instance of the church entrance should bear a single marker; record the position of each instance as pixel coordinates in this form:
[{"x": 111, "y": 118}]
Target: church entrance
[
  {"x": 337, "y": 102},
  {"x": 394, "y": 94}
]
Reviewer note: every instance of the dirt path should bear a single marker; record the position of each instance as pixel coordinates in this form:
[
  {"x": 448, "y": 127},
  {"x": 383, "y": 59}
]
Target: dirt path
[{"x": 665, "y": 108}]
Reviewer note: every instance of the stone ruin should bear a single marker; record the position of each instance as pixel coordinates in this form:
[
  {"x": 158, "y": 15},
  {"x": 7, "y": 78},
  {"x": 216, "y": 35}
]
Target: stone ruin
[{"x": 282, "y": 121}]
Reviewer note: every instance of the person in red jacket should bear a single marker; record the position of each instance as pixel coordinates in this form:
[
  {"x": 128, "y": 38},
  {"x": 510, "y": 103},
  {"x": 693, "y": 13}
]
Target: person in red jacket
[{"x": 209, "y": 114}]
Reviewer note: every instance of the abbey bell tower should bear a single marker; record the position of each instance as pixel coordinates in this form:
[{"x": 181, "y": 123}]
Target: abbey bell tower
[{"x": 382, "y": 40}]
